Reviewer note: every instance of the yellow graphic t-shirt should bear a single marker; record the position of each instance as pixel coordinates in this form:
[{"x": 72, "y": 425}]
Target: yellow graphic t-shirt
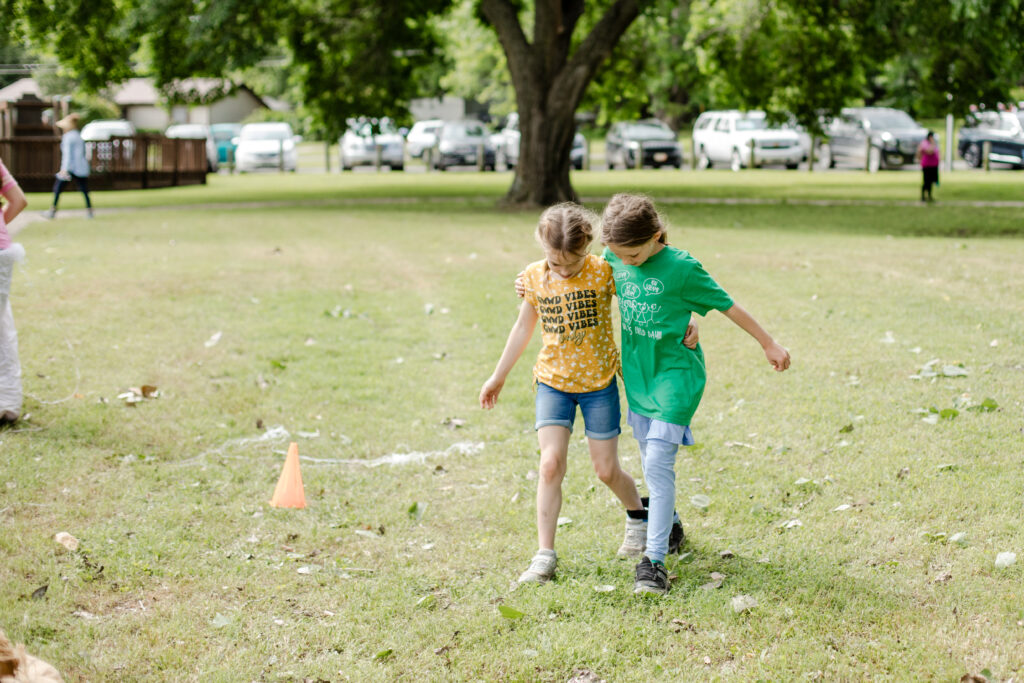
[{"x": 578, "y": 353}]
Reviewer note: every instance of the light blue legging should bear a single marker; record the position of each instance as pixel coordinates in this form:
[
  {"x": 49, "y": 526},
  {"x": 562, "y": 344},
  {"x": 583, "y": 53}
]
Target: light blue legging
[{"x": 658, "y": 459}]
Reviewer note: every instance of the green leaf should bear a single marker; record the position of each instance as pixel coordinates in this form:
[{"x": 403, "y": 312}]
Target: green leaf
[
  {"x": 510, "y": 613},
  {"x": 278, "y": 364},
  {"x": 948, "y": 413},
  {"x": 427, "y": 601},
  {"x": 987, "y": 406},
  {"x": 847, "y": 429},
  {"x": 384, "y": 655},
  {"x": 416, "y": 511}
]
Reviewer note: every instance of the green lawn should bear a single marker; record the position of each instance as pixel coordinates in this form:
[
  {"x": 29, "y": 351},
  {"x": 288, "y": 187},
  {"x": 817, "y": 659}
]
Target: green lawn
[{"x": 310, "y": 317}]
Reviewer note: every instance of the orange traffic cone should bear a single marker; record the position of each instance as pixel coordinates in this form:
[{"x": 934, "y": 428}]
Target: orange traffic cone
[{"x": 289, "y": 492}]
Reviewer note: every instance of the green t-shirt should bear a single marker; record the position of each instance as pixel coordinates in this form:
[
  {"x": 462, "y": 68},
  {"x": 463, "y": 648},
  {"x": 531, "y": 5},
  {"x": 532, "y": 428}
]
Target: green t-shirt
[{"x": 664, "y": 379}]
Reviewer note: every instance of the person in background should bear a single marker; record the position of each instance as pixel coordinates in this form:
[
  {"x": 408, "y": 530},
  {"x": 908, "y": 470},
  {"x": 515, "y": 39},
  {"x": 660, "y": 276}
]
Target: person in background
[
  {"x": 928, "y": 152},
  {"x": 73, "y": 164},
  {"x": 10, "y": 367}
]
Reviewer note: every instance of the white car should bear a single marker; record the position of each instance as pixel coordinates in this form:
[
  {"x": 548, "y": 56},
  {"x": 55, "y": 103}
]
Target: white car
[
  {"x": 359, "y": 144},
  {"x": 261, "y": 145},
  {"x": 97, "y": 136},
  {"x": 740, "y": 139},
  {"x": 196, "y": 131},
  {"x": 422, "y": 136}
]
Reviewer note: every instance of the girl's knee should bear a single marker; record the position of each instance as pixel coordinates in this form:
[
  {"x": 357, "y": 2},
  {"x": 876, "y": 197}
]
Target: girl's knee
[
  {"x": 552, "y": 468},
  {"x": 607, "y": 472}
]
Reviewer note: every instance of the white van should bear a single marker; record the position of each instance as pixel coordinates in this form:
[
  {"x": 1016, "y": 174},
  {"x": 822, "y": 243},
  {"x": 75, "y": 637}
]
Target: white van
[{"x": 740, "y": 138}]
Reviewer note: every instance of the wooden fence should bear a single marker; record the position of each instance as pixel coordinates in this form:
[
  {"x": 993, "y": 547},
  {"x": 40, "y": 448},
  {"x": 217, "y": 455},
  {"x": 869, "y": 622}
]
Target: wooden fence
[{"x": 131, "y": 163}]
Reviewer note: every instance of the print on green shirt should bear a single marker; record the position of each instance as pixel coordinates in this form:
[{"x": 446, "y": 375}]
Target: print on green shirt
[{"x": 664, "y": 379}]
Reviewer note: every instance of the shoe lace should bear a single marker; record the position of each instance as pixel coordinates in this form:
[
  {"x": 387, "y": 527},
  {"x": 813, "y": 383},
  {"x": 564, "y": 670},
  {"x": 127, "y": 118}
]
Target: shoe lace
[{"x": 539, "y": 564}]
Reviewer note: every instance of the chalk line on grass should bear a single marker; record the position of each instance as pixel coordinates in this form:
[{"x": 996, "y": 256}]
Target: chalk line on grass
[{"x": 458, "y": 448}]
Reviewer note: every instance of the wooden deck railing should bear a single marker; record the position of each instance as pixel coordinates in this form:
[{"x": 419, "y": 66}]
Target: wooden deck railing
[{"x": 138, "y": 162}]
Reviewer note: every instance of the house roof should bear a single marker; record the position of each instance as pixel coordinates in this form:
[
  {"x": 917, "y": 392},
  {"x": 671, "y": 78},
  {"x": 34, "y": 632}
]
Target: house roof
[
  {"x": 142, "y": 91},
  {"x": 21, "y": 87}
]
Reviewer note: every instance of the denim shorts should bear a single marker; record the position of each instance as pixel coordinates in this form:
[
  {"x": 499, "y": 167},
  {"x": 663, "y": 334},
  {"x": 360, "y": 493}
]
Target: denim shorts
[{"x": 600, "y": 410}]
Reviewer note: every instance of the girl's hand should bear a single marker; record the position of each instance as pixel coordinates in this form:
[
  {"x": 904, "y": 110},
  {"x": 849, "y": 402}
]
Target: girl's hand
[
  {"x": 778, "y": 356},
  {"x": 520, "y": 287},
  {"x": 692, "y": 337},
  {"x": 489, "y": 392}
]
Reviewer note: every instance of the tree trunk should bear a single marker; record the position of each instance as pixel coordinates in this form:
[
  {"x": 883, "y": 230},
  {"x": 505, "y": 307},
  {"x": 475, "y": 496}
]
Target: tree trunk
[{"x": 550, "y": 83}]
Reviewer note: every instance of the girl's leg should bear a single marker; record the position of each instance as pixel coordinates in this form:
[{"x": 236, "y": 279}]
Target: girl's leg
[
  {"x": 604, "y": 454},
  {"x": 554, "y": 451},
  {"x": 659, "y": 471}
]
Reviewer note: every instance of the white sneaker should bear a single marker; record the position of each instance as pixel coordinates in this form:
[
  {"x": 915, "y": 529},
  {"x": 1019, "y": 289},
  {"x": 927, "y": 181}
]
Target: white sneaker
[
  {"x": 635, "y": 542},
  {"x": 541, "y": 569}
]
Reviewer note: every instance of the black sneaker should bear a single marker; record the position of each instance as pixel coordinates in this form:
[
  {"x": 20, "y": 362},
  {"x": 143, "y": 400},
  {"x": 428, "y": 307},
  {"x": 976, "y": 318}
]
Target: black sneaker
[
  {"x": 651, "y": 578},
  {"x": 676, "y": 537}
]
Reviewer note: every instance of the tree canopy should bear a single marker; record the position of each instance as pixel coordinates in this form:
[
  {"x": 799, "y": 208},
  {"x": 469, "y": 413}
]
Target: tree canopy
[{"x": 548, "y": 58}]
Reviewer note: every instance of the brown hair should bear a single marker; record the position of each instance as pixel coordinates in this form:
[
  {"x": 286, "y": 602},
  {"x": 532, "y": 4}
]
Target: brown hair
[
  {"x": 630, "y": 220},
  {"x": 566, "y": 227}
]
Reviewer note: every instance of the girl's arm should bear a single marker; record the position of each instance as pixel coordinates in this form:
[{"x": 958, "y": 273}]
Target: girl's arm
[
  {"x": 776, "y": 354},
  {"x": 15, "y": 202},
  {"x": 518, "y": 338}
]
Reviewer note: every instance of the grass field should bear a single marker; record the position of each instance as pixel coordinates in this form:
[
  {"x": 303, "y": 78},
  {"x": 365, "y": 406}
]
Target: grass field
[{"x": 268, "y": 309}]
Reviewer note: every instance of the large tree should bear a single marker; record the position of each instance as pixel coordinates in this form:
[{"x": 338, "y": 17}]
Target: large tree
[{"x": 550, "y": 74}]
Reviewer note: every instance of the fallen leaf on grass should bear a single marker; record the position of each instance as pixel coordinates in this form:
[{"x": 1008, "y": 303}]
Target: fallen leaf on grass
[
  {"x": 842, "y": 507},
  {"x": 700, "y": 501},
  {"x": 40, "y": 593},
  {"x": 416, "y": 511},
  {"x": 791, "y": 524},
  {"x": 453, "y": 422},
  {"x": 510, "y": 613},
  {"x": 1004, "y": 560},
  {"x": 584, "y": 676},
  {"x": 384, "y": 655},
  {"x": 942, "y": 578},
  {"x": 974, "y": 678},
  {"x": 606, "y": 588},
  {"x": 743, "y": 603},
  {"x": 715, "y": 582},
  {"x": 212, "y": 341},
  {"x": 562, "y": 521},
  {"x": 726, "y": 555},
  {"x": 960, "y": 538},
  {"x": 67, "y": 540},
  {"x": 220, "y": 621}
]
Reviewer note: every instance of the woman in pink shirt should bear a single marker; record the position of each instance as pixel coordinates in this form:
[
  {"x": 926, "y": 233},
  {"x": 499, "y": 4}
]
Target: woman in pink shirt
[{"x": 928, "y": 151}]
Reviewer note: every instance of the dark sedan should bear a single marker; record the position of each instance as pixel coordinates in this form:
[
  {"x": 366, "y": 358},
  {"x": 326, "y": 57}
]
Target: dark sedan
[
  {"x": 1002, "y": 130},
  {"x": 627, "y": 139}
]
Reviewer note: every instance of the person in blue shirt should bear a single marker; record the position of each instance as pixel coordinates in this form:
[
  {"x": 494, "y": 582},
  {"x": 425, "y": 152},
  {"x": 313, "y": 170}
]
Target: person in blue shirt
[{"x": 73, "y": 164}]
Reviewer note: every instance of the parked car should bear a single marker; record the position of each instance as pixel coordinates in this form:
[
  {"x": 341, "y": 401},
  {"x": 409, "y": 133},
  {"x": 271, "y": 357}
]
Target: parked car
[
  {"x": 743, "y": 138},
  {"x": 659, "y": 143},
  {"x": 224, "y": 135},
  {"x": 506, "y": 144},
  {"x": 358, "y": 146},
  {"x": 97, "y": 136},
  {"x": 422, "y": 136},
  {"x": 459, "y": 142},
  {"x": 894, "y": 137},
  {"x": 196, "y": 131},
  {"x": 1003, "y": 130},
  {"x": 261, "y": 145}
]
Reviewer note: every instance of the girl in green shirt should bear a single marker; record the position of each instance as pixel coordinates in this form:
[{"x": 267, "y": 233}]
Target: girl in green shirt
[{"x": 658, "y": 286}]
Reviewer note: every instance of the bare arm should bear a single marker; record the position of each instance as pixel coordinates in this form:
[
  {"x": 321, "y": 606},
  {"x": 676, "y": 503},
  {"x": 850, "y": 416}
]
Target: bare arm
[
  {"x": 776, "y": 354},
  {"x": 16, "y": 202},
  {"x": 518, "y": 338}
]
